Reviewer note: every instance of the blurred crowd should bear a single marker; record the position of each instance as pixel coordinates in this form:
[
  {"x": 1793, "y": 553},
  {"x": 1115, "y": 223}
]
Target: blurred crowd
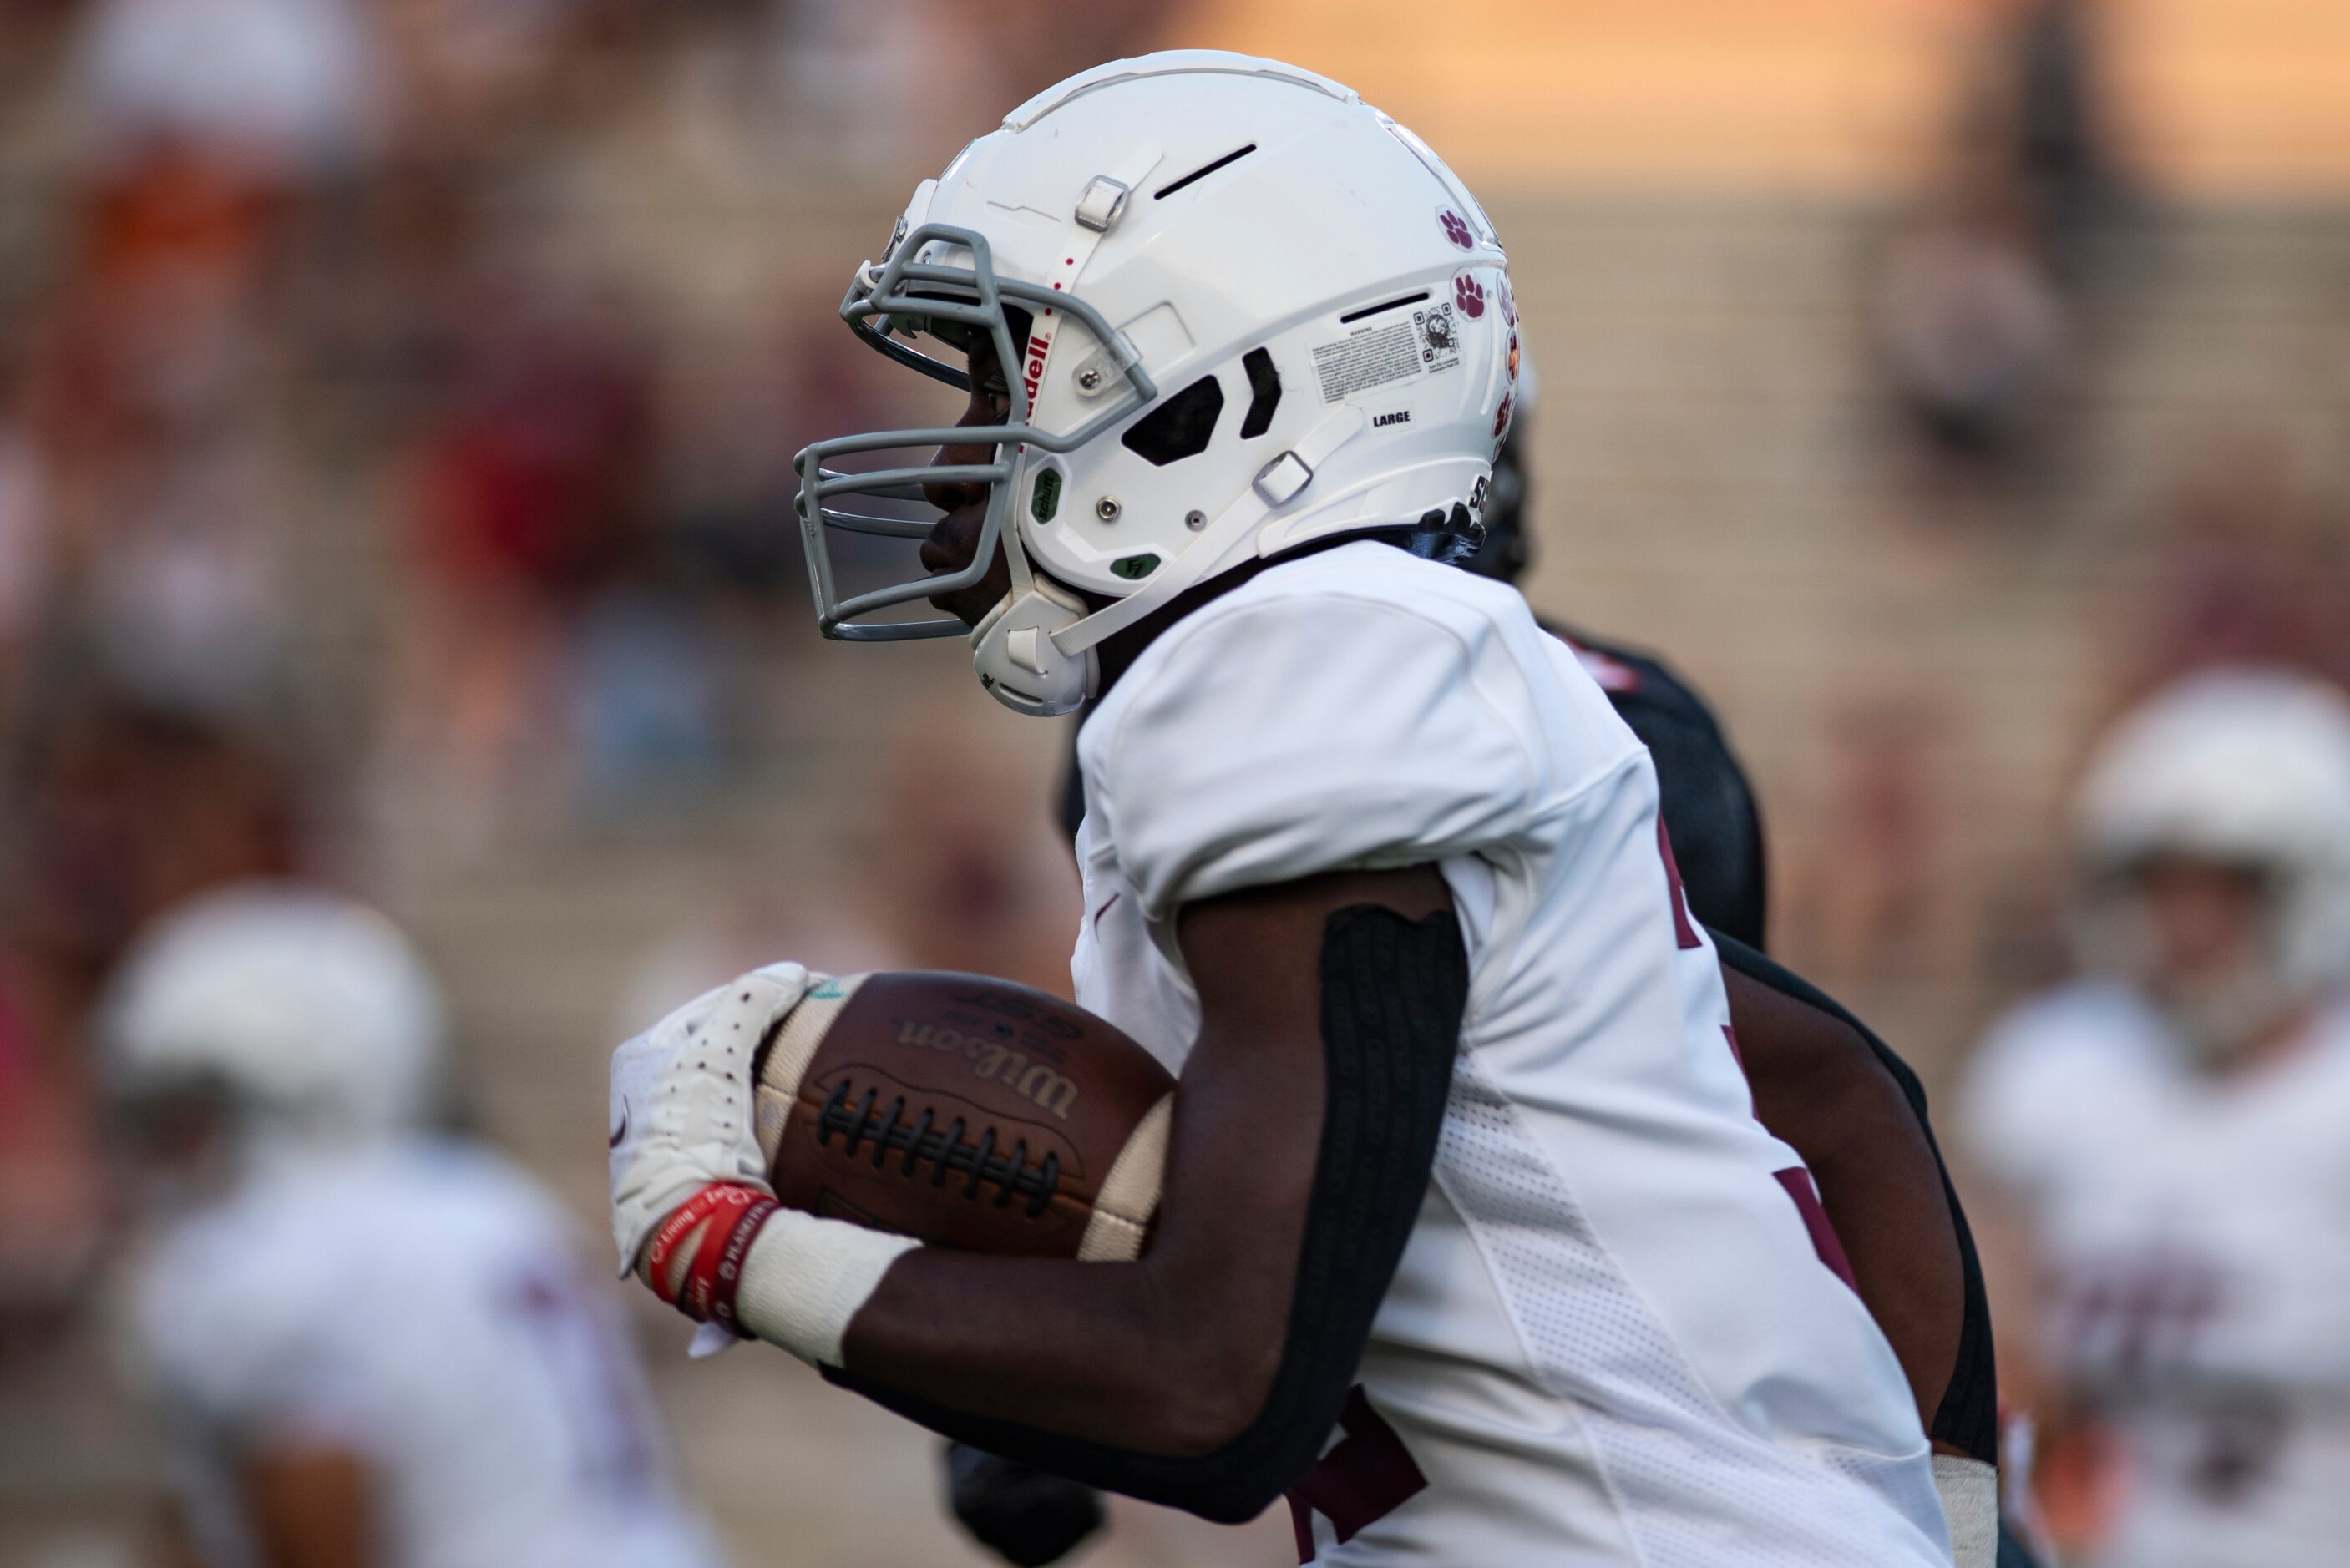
[
  {"x": 397, "y": 399},
  {"x": 396, "y": 410},
  {"x": 1983, "y": 283},
  {"x": 356, "y": 471}
]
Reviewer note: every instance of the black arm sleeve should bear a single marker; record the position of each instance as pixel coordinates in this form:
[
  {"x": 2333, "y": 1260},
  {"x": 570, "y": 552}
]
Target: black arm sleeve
[
  {"x": 1393, "y": 990},
  {"x": 1967, "y": 1417}
]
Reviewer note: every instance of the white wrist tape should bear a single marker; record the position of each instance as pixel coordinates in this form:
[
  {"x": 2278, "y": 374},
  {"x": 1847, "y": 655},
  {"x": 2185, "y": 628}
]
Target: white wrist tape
[
  {"x": 807, "y": 1277},
  {"x": 1970, "y": 1490}
]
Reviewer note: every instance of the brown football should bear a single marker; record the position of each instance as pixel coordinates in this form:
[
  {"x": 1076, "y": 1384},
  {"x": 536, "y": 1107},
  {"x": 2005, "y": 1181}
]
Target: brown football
[{"x": 965, "y": 1111}]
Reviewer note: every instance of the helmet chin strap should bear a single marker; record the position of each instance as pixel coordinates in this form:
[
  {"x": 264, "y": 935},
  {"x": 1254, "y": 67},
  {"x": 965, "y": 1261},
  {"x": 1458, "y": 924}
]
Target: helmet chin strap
[{"x": 1016, "y": 652}]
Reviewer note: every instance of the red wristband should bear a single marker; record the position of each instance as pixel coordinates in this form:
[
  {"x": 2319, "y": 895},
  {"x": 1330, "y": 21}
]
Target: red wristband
[
  {"x": 729, "y": 1217},
  {"x": 726, "y": 1276}
]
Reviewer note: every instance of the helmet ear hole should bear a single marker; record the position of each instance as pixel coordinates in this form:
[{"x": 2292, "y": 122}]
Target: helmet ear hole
[
  {"x": 1180, "y": 427},
  {"x": 1264, "y": 393}
]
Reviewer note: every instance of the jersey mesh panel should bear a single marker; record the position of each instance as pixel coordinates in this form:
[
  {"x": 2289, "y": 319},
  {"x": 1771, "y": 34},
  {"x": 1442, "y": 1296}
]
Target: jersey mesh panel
[{"x": 1661, "y": 1439}]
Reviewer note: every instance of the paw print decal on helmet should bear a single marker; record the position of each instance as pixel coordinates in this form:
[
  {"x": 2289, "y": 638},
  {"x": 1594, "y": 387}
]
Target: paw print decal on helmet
[
  {"x": 1468, "y": 295},
  {"x": 1456, "y": 228}
]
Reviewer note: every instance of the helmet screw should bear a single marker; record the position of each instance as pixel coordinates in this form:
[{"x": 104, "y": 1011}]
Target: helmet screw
[
  {"x": 1195, "y": 521},
  {"x": 1107, "y": 509},
  {"x": 1089, "y": 378}
]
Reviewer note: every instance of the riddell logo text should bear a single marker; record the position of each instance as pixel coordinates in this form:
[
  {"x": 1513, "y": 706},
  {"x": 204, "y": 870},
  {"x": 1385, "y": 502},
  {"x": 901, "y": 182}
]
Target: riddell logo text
[
  {"x": 1401, "y": 417},
  {"x": 1033, "y": 372}
]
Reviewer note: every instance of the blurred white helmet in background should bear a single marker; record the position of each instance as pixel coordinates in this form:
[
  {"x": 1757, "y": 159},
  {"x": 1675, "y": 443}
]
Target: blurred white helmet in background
[
  {"x": 1239, "y": 311},
  {"x": 311, "y": 1013},
  {"x": 2241, "y": 767}
]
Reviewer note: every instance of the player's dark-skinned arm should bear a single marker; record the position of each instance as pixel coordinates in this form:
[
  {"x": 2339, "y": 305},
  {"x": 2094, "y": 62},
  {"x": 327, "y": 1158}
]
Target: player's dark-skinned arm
[
  {"x": 1209, "y": 1373},
  {"x": 1855, "y": 1113},
  {"x": 309, "y": 1507}
]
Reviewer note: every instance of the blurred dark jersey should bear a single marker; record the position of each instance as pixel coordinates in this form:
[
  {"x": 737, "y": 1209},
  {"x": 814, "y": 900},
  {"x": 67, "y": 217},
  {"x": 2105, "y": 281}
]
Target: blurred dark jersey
[{"x": 1709, "y": 808}]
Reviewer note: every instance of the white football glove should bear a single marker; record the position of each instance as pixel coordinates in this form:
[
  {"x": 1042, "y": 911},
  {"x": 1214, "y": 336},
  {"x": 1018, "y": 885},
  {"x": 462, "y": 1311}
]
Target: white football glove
[{"x": 681, "y": 1101}]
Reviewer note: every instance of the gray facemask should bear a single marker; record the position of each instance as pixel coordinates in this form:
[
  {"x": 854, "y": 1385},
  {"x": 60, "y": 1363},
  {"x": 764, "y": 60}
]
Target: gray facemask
[{"x": 902, "y": 295}]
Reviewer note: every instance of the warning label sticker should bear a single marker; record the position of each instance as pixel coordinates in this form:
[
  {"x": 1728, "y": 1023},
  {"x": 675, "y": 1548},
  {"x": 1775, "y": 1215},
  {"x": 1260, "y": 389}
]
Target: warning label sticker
[
  {"x": 1381, "y": 356},
  {"x": 1370, "y": 357}
]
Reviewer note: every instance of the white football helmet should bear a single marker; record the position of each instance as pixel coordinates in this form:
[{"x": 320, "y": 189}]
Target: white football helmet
[
  {"x": 1248, "y": 312},
  {"x": 311, "y": 1013},
  {"x": 2245, "y": 767}
]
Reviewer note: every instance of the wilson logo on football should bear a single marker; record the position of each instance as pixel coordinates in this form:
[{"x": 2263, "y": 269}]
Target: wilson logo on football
[{"x": 1046, "y": 1087}]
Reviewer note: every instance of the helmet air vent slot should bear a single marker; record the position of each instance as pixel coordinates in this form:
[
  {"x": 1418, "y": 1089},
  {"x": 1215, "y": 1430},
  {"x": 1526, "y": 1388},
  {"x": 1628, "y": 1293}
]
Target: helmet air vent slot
[
  {"x": 1180, "y": 427},
  {"x": 1354, "y": 316},
  {"x": 1265, "y": 391},
  {"x": 1201, "y": 172}
]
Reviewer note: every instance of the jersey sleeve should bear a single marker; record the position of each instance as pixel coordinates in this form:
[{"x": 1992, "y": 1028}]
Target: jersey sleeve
[
  {"x": 234, "y": 1347},
  {"x": 1269, "y": 741}
]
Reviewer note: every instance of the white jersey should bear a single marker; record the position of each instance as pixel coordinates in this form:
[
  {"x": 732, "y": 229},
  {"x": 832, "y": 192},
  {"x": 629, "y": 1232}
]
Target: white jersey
[
  {"x": 1611, "y": 1339},
  {"x": 423, "y": 1305},
  {"x": 2194, "y": 1233}
]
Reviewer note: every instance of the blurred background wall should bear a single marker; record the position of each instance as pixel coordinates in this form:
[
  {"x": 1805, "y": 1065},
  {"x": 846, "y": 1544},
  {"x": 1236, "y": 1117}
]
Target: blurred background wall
[{"x": 397, "y": 399}]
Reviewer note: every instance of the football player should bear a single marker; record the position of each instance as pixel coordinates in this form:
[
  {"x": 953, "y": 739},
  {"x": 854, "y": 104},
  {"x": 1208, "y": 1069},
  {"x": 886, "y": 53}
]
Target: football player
[
  {"x": 366, "y": 1347},
  {"x": 2166, "y": 1132},
  {"x": 1471, "y": 1240},
  {"x": 1818, "y": 1075}
]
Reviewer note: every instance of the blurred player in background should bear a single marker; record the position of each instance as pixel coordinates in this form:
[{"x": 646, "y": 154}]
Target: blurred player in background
[
  {"x": 366, "y": 1347},
  {"x": 121, "y": 803},
  {"x": 2166, "y": 1135}
]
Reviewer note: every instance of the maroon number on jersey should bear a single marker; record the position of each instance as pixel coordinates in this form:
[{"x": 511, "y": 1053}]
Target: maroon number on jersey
[
  {"x": 1365, "y": 1476},
  {"x": 1684, "y": 928}
]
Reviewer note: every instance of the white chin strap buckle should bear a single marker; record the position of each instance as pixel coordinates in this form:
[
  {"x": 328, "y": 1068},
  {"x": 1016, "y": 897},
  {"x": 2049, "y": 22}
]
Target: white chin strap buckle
[{"x": 1017, "y": 660}]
